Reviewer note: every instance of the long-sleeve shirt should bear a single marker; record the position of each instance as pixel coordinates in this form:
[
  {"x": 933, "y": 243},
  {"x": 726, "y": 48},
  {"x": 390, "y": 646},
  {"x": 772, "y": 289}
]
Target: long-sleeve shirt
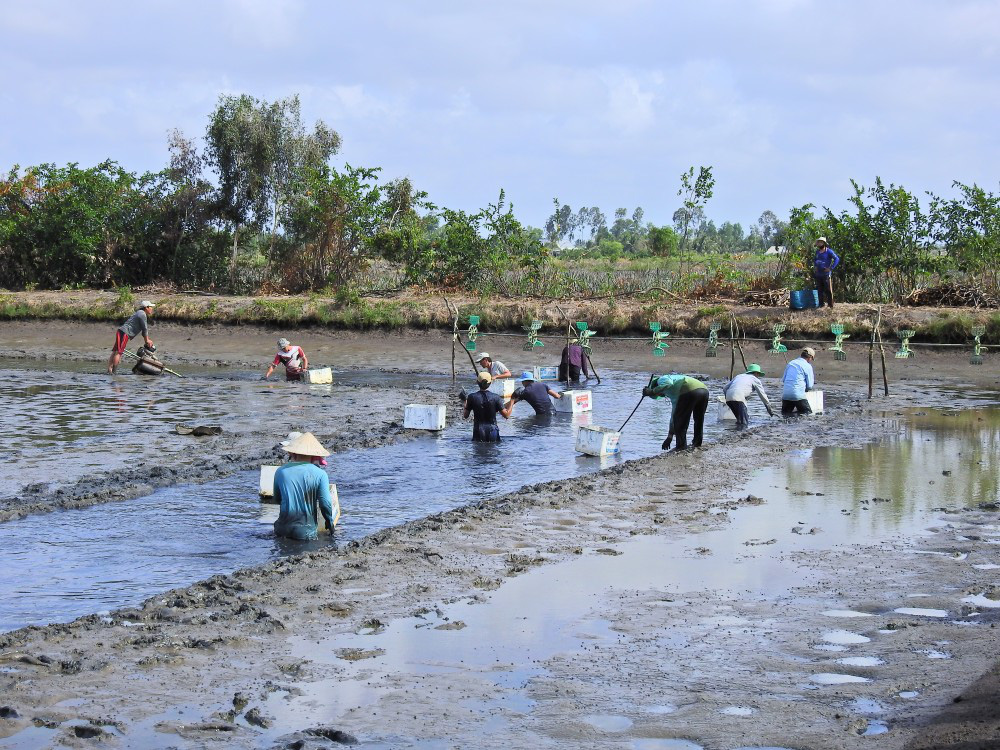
[
  {"x": 743, "y": 385},
  {"x": 826, "y": 260},
  {"x": 797, "y": 379},
  {"x": 300, "y": 487},
  {"x": 575, "y": 355},
  {"x": 674, "y": 385}
]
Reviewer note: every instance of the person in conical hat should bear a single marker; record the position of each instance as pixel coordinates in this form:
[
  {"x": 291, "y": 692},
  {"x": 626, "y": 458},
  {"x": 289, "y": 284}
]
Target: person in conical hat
[{"x": 302, "y": 489}]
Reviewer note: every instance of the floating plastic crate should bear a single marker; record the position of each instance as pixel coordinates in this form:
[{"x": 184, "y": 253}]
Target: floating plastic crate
[
  {"x": 815, "y": 399},
  {"x": 504, "y": 388},
  {"x": 546, "y": 373}
]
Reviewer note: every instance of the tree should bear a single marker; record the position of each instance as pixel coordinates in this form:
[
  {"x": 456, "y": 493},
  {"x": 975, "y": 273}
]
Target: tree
[
  {"x": 262, "y": 155},
  {"x": 188, "y": 201},
  {"x": 695, "y": 193},
  {"x": 560, "y": 225},
  {"x": 769, "y": 224},
  {"x": 663, "y": 241}
]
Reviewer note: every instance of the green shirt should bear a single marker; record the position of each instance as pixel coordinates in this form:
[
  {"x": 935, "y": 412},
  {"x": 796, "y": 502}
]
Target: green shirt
[{"x": 674, "y": 385}]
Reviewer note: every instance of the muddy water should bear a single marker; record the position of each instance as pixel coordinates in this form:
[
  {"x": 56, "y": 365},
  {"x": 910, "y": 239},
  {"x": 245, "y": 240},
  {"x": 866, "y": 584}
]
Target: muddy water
[
  {"x": 538, "y": 622},
  {"x": 65, "y": 564}
]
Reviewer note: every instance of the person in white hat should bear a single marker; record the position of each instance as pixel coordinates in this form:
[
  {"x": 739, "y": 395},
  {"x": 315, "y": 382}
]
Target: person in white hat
[
  {"x": 796, "y": 380},
  {"x": 823, "y": 264},
  {"x": 497, "y": 370},
  {"x": 138, "y": 323},
  {"x": 292, "y": 357},
  {"x": 534, "y": 393},
  {"x": 303, "y": 489}
]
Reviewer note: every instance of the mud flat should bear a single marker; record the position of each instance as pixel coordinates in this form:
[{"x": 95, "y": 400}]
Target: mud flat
[{"x": 681, "y": 601}]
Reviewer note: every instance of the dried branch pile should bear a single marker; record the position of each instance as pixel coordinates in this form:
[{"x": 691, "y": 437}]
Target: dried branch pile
[
  {"x": 950, "y": 295},
  {"x": 766, "y": 298}
]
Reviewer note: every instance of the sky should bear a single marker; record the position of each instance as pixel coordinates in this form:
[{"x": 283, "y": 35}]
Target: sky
[{"x": 596, "y": 103}]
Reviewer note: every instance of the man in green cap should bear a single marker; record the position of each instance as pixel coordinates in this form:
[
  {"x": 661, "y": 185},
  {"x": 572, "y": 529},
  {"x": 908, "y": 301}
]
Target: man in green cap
[
  {"x": 741, "y": 388},
  {"x": 688, "y": 397}
]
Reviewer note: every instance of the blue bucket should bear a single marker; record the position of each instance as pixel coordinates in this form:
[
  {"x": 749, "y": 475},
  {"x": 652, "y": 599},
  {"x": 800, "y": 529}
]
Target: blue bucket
[{"x": 796, "y": 300}]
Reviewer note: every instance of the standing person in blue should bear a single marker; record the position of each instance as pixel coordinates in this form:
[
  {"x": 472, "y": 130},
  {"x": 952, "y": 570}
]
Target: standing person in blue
[
  {"x": 137, "y": 324},
  {"x": 534, "y": 393},
  {"x": 688, "y": 398},
  {"x": 826, "y": 260},
  {"x": 484, "y": 405},
  {"x": 797, "y": 379},
  {"x": 303, "y": 489}
]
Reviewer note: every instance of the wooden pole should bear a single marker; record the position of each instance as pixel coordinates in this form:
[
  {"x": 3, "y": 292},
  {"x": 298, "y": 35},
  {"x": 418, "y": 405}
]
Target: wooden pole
[
  {"x": 732, "y": 347},
  {"x": 566, "y": 319},
  {"x": 454, "y": 340},
  {"x": 871, "y": 365},
  {"x": 458, "y": 335},
  {"x": 881, "y": 350}
]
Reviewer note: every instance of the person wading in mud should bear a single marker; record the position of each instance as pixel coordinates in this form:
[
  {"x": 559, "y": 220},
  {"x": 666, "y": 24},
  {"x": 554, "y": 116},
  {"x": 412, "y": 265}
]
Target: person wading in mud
[
  {"x": 303, "y": 489},
  {"x": 823, "y": 264},
  {"x": 688, "y": 398},
  {"x": 137, "y": 324},
  {"x": 484, "y": 405},
  {"x": 292, "y": 357},
  {"x": 572, "y": 363},
  {"x": 742, "y": 387},
  {"x": 797, "y": 379},
  {"x": 497, "y": 370},
  {"x": 534, "y": 393}
]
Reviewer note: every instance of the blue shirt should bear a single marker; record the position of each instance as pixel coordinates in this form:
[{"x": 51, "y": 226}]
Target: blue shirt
[
  {"x": 299, "y": 487},
  {"x": 798, "y": 379},
  {"x": 826, "y": 260}
]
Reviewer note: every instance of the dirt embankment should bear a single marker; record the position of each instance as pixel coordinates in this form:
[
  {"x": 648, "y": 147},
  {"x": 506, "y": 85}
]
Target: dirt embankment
[
  {"x": 257, "y": 659},
  {"x": 424, "y": 311}
]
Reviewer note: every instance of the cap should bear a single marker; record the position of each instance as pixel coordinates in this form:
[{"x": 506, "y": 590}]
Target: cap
[
  {"x": 484, "y": 377},
  {"x": 809, "y": 352},
  {"x": 755, "y": 369},
  {"x": 144, "y": 304},
  {"x": 305, "y": 444},
  {"x": 283, "y": 342},
  {"x": 820, "y": 240},
  {"x": 527, "y": 375},
  {"x": 484, "y": 355}
]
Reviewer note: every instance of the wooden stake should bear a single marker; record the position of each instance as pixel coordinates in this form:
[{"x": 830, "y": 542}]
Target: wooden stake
[
  {"x": 458, "y": 335},
  {"x": 732, "y": 347}
]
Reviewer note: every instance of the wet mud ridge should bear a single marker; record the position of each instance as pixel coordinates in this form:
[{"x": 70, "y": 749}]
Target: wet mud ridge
[{"x": 652, "y": 604}]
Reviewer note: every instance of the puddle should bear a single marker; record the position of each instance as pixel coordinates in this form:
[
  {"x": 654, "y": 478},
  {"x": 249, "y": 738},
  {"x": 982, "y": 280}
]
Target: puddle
[
  {"x": 608, "y": 723},
  {"x": 866, "y": 706},
  {"x": 844, "y": 637},
  {"x": 832, "y": 678},
  {"x": 875, "y": 727},
  {"x": 861, "y": 661},
  {"x": 981, "y": 600},
  {"x": 908, "y": 694},
  {"x": 918, "y": 612},
  {"x": 987, "y": 566},
  {"x": 846, "y": 613},
  {"x": 738, "y": 711},
  {"x": 665, "y": 744},
  {"x": 829, "y": 647},
  {"x": 933, "y": 653}
]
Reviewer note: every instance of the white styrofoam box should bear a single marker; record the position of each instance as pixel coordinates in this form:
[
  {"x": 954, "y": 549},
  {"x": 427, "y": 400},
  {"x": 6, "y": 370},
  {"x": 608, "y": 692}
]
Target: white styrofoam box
[
  {"x": 573, "y": 402},
  {"x": 815, "y": 399},
  {"x": 597, "y": 441},
  {"x": 504, "y": 387},
  {"x": 424, "y": 416},
  {"x": 546, "y": 373},
  {"x": 320, "y": 375},
  {"x": 267, "y": 480},
  {"x": 724, "y": 413}
]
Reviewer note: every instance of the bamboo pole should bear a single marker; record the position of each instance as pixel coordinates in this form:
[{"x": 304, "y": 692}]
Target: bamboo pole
[
  {"x": 732, "y": 347},
  {"x": 475, "y": 370},
  {"x": 871, "y": 365}
]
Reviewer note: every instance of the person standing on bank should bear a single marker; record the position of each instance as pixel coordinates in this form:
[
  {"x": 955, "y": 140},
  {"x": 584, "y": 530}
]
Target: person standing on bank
[
  {"x": 824, "y": 263},
  {"x": 798, "y": 379},
  {"x": 742, "y": 387},
  {"x": 292, "y": 357},
  {"x": 573, "y": 363},
  {"x": 497, "y": 370},
  {"x": 303, "y": 489},
  {"x": 688, "y": 398},
  {"x": 138, "y": 323},
  {"x": 484, "y": 405},
  {"x": 534, "y": 393}
]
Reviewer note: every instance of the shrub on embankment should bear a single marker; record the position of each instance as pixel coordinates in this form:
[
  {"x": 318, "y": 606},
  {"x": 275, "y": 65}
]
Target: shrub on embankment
[{"x": 607, "y": 317}]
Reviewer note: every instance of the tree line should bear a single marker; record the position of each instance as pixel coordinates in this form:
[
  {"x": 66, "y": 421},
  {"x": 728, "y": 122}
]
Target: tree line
[{"x": 260, "y": 207}]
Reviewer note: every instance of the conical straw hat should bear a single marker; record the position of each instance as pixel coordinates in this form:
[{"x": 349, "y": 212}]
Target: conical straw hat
[{"x": 306, "y": 444}]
